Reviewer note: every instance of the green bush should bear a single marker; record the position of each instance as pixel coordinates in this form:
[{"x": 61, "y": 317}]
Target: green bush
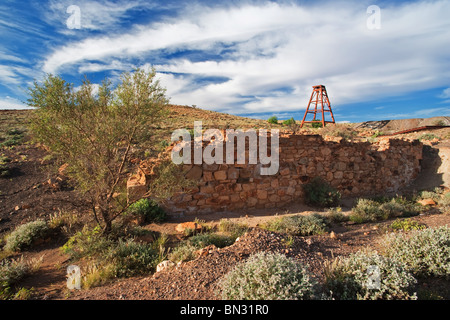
[
  {"x": 316, "y": 125},
  {"x": 273, "y": 120},
  {"x": 12, "y": 271},
  {"x": 114, "y": 258},
  {"x": 4, "y": 170},
  {"x": 352, "y": 278},
  {"x": 14, "y": 137},
  {"x": 289, "y": 122},
  {"x": 298, "y": 225},
  {"x": 319, "y": 193},
  {"x": 206, "y": 239},
  {"x": 406, "y": 225},
  {"x": 87, "y": 243},
  {"x": 185, "y": 251},
  {"x": 428, "y": 136},
  {"x": 148, "y": 209},
  {"x": 425, "y": 252},
  {"x": 267, "y": 276},
  {"x": 367, "y": 210},
  {"x": 129, "y": 258},
  {"x": 234, "y": 229},
  {"x": 24, "y": 235}
]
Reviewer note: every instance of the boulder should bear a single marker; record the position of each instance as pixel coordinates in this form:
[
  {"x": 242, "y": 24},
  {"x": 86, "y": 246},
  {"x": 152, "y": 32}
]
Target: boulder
[{"x": 181, "y": 227}]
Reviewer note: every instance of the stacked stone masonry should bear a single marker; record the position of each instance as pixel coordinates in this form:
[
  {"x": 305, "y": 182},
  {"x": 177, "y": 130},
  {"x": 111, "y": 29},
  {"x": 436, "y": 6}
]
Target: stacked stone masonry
[{"x": 354, "y": 168}]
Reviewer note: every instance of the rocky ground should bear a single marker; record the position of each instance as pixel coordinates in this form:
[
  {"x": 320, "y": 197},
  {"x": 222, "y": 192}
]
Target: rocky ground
[{"x": 33, "y": 190}]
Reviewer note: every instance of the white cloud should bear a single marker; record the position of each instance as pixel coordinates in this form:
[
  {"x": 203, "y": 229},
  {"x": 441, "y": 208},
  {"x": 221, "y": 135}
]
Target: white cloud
[
  {"x": 445, "y": 94},
  {"x": 283, "y": 46},
  {"x": 12, "y": 104}
]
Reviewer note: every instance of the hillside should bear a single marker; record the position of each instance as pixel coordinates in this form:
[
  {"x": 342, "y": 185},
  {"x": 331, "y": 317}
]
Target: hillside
[{"x": 31, "y": 188}]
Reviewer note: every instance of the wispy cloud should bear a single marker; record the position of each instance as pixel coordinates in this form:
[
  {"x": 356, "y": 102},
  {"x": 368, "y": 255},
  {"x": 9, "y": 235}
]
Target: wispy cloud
[{"x": 262, "y": 56}]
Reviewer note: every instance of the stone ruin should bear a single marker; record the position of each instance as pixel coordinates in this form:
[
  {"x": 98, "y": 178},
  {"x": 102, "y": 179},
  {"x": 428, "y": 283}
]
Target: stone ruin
[{"x": 354, "y": 168}]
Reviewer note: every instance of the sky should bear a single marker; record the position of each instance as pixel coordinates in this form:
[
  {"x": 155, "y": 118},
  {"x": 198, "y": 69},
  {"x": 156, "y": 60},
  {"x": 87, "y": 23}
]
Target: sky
[{"x": 378, "y": 59}]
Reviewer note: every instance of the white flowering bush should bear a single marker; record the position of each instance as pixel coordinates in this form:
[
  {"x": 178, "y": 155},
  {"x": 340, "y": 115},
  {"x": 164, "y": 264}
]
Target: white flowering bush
[
  {"x": 352, "y": 278},
  {"x": 426, "y": 252},
  {"x": 25, "y": 234},
  {"x": 268, "y": 276}
]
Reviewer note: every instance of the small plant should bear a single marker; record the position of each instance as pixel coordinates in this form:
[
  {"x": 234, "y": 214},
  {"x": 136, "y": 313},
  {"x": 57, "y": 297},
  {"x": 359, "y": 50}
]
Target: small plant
[
  {"x": 289, "y": 122},
  {"x": 316, "y": 125},
  {"x": 426, "y": 252},
  {"x": 14, "y": 137},
  {"x": 298, "y": 225},
  {"x": 129, "y": 258},
  {"x": 406, "y": 225},
  {"x": 377, "y": 134},
  {"x": 268, "y": 276},
  {"x": 206, "y": 239},
  {"x": 4, "y": 170},
  {"x": 25, "y": 235},
  {"x": 12, "y": 271},
  {"x": 86, "y": 243},
  {"x": 273, "y": 120},
  {"x": 148, "y": 210},
  {"x": 367, "y": 210},
  {"x": 233, "y": 228},
  {"x": 428, "y": 136},
  {"x": 335, "y": 215},
  {"x": 319, "y": 193},
  {"x": 354, "y": 278}
]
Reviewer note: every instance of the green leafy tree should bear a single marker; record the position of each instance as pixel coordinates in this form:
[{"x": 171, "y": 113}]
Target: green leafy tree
[{"x": 95, "y": 132}]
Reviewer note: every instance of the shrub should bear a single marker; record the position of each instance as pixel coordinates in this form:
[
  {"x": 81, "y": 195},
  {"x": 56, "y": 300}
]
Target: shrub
[
  {"x": 318, "y": 192},
  {"x": 233, "y": 228},
  {"x": 129, "y": 258},
  {"x": 4, "y": 170},
  {"x": 428, "y": 136},
  {"x": 185, "y": 251},
  {"x": 367, "y": 210},
  {"x": 299, "y": 225},
  {"x": 273, "y": 120},
  {"x": 316, "y": 125},
  {"x": 206, "y": 239},
  {"x": 289, "y": 122},
  {"x": 335, "y": 215},
  {"x": 350, "y": 278},
  {"x": 12, "y": 271},
  {"x": 267, "y": 276},
  {"x": 86, "y": 243},
  {"x": 406, "y": 225},
  {"x": 426, "y": 252},
  {"x": 24, "y": 235},
  {"x": 148, "y": 209}
]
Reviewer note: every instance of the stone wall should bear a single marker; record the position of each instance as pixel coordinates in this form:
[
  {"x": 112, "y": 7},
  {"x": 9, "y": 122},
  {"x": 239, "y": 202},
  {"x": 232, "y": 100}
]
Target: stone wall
[{"x": 354, "y": 168}]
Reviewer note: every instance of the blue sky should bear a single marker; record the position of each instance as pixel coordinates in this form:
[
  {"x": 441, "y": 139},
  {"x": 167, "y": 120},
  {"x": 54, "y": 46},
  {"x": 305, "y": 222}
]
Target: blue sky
[{"x": 251, "y": 58}]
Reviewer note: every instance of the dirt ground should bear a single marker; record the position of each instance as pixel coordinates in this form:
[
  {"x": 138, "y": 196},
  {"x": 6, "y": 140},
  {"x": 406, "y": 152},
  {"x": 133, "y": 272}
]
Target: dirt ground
[{"x": 33, "y": 191}]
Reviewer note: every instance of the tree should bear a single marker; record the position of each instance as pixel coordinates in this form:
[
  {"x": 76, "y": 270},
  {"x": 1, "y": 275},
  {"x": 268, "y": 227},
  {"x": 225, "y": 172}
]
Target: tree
[{"x": 95, "y": 132}]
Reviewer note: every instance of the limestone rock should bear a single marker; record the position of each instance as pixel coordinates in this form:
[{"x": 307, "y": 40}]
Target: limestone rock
[{"x": 165, "y": 265}]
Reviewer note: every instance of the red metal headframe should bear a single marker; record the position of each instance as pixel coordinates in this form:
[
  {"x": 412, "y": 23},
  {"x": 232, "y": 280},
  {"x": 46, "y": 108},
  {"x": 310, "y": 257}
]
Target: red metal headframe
[{"x": 319, "y": 98}]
